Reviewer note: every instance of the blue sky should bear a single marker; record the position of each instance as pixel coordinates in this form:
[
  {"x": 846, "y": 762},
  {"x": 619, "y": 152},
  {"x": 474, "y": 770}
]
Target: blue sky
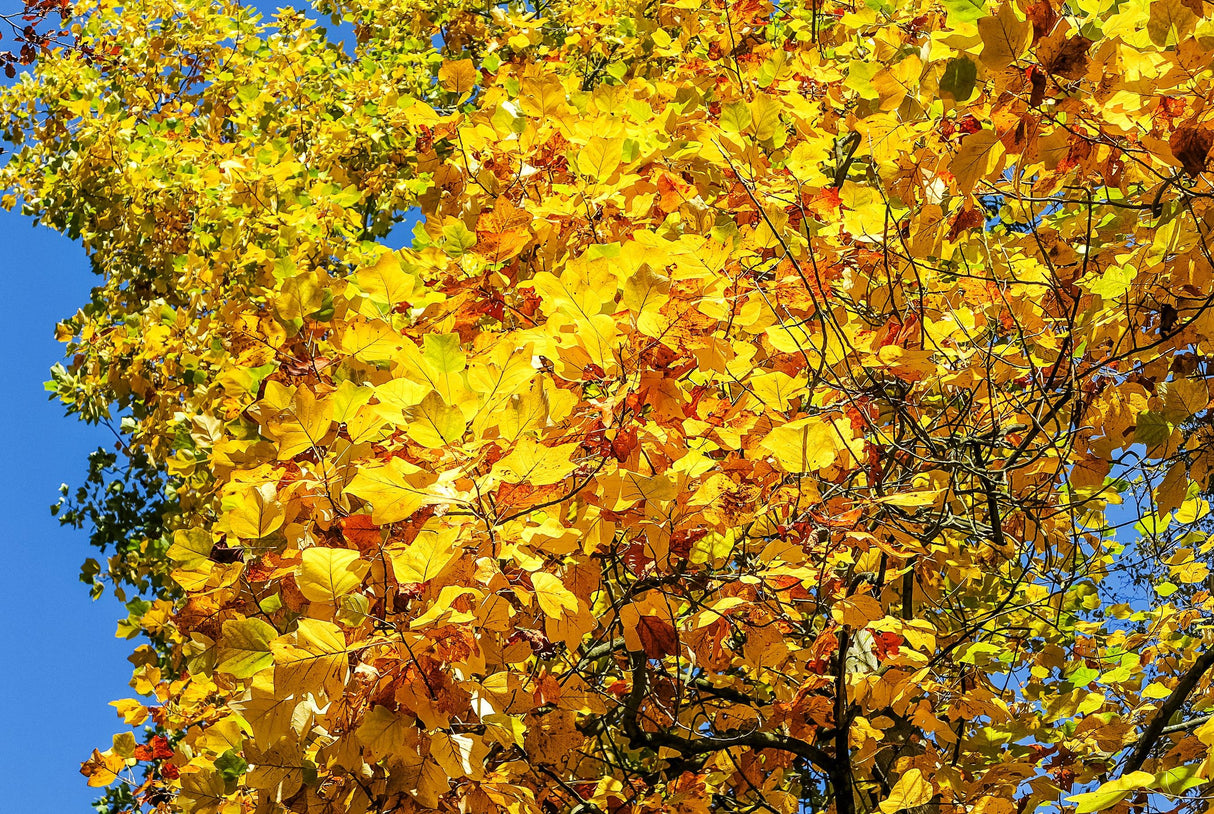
[{"x": 62, "y": 664}]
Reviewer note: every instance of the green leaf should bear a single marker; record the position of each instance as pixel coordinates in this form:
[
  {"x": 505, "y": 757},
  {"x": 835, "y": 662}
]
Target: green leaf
[
  {"x": 1111, "y": 793},
  {"x": 244, "y": 648},
  {"x": 1082, "y": 675},
  {"x": 1113, "y": 283},
  {"x": 860, "y": 75},
  {"x": 958, "y": 79},
  {"x": 1152, "y": 428},
  {"x": 965, "y": 11},
  {"x": 1166, "y": 589},
  {"x": 457, "y": 238},
  {"x": 231, "y": 766},
  {"x": 1180, "y": 779}
]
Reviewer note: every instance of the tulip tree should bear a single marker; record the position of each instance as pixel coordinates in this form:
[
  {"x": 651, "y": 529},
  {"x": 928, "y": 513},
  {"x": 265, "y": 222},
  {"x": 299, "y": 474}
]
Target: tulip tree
[{"x": 658, "y": 406}]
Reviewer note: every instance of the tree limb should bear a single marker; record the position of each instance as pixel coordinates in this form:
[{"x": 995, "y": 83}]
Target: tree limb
[{"x": 1159, "y": 721}]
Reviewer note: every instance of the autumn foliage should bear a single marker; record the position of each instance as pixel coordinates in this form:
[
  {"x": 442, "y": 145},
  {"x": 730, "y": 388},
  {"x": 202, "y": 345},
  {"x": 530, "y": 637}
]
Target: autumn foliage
[{"x": 772, "y": 409}]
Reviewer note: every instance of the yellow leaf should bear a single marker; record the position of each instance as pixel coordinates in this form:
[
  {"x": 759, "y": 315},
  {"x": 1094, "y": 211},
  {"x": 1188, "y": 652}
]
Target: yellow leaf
[
  {"x": 395, "y": 491},
  {"x": 1192, "y": 510},
  {"x": 805, "y": 444},
  {"x": 373, "y": 341},
  {"x": 926, "y": 497},
  {"x": 102, "y": 768},
  {"x": 443, "y": 611},
  {"x": 976, "y": 159},
  {"x": 507, "y": 730},
  {"x": 1111, "y": 793},
  {"x": 893, "y": 86},
  {"x": 386, "y": 733},
  {"x": 256, "y": 513},
  {"x": 325, "y": 574},
  {"x": 857, "y": 611},
  {"x": 202, "y": 789},
  {"x": 131, "y": 710},
  {"x": 299, "y": 421},
  {"x": 735, "y": 117},
  {"x": 440, "y": 364},
  {"x": 194, "y": 575},
  {"x": 458, "y": 76},
  {"x": 459, "y": 755},
  {"x": 312, "y": 659},
  {"x": 536, "y": 464},
  {"x": 911, "y": 791},
  {"x": 300, "y": 296},
  {"x": 426, "y": 556},
  {"x": 765, "y": 116},
  {"x": 865, "y": 212},
  {"x": 386, "y": 282},
  {"x": 1204, "y": 733},
  {"x": 599, "y": 159},
  {"x": 645, "y": 292},
  {"x": 267, "y": 713},
  {"x": 277, "y": 770},
  {"x": 542, "y": 97},
  {"x": 190, "y": 544},
  {"x": 553, "y": 597},
  {"x": 434, "y": 424}
]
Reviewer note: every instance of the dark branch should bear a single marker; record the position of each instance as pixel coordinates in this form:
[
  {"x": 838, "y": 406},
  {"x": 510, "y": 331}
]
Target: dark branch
[{"x": 1159, "y": 722}]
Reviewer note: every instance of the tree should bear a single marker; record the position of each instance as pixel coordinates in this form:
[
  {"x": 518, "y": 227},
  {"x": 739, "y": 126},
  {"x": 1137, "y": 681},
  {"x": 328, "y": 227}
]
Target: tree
[{"x": 774, "y": 409}]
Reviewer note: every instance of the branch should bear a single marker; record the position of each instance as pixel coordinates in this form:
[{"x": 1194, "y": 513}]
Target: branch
[
  {"x": 1183, "y": 726},
  {"x": 852, "y": 141},
  {"x": 707, "y": 745},
  {"x": 841, "y": 772},
  {"x": 1159, "y": 722}
]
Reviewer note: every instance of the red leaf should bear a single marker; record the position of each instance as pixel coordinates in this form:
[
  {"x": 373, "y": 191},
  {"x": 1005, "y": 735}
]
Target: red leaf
[
  {"x": 161, "y": 748},
  {"x": 359, "y": 530},
  {"x": 658, "y": 637},
  {"x": 625, "y": 441},
  {"x": 886, "y": 644},
  {"x": 966, "y": 219}
]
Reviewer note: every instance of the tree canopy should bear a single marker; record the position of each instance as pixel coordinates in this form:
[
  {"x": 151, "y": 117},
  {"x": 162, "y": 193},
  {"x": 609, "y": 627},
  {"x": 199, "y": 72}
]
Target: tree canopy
[{"x": 630, "y": 407}]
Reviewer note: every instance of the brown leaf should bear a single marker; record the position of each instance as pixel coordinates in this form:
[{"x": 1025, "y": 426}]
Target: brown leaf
[
  {"x": 1004, "y": 38},
  {"x": 1191, "y": 147},
  {"x": 1043, "y": 17},
  {"x": 1038, "y": 80},
  {"x": 1170, "y": 22},
  {"x": 658, "y": 637},
  {"x": 1066, "y": 57}
]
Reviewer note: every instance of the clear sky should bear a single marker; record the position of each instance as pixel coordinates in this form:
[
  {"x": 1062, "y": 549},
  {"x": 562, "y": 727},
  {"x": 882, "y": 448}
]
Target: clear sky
[{"x": 61, "y": 665}]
